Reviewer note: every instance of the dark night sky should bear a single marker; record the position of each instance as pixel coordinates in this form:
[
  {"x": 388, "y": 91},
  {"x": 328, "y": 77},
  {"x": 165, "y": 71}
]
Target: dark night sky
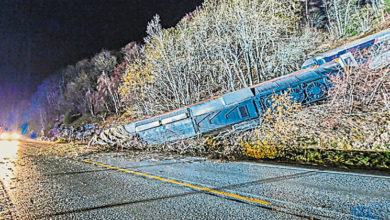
[{"x": 38, "y": 37}]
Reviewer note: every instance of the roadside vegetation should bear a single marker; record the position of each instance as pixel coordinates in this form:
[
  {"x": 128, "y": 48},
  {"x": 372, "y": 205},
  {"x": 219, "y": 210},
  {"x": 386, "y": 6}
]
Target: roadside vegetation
[
  {"x": 349, "y": 128},
  {"x": 223, "y": 46}
]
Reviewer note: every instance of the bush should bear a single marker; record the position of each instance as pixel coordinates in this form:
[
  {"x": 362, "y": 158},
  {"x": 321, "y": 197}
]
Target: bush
[
  {"x": 356, "y": 117},
  {"x": 277, "y": 130},
  {"x": 362, "y": 90}
]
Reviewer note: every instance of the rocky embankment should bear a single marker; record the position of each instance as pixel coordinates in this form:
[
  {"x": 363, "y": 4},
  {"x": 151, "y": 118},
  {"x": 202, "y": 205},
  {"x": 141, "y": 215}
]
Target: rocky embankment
[
  {"x": 92, "y": 134},
  {"x": 62, "y": 133}
]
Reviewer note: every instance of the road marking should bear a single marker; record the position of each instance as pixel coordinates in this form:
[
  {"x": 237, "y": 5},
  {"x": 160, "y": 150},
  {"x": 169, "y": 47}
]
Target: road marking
[{"x": 201, "y": 188}]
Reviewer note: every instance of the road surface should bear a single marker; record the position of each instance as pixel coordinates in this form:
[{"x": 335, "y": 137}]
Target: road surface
[{"x": 155, "y": 186}]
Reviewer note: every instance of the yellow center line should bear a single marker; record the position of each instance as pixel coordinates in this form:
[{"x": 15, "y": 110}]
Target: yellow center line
[{"x": 232, "y": 195}]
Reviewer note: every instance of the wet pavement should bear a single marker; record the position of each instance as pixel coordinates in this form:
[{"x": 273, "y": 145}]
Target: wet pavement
[{"x": 156, "y": 186}]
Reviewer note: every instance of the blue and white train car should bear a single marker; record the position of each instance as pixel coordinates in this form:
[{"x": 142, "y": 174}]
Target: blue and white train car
[
  {"x": 241, "y": 109},
  {"x": 348, "y": 49}
]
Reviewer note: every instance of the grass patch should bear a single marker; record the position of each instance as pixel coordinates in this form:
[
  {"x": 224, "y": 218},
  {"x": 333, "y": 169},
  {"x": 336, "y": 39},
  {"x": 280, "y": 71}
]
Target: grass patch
[{"x": 334, "y": 158}]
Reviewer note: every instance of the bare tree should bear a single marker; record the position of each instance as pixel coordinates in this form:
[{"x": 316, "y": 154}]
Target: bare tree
[
  {"x": 351, "y": 17},
  {"x": 224, "y": 46}
]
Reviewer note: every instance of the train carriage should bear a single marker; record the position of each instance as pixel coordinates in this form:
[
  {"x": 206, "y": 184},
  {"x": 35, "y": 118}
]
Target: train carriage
[
  {"x": 356, "y": 46},
  {"x": 241, "y": 109}
]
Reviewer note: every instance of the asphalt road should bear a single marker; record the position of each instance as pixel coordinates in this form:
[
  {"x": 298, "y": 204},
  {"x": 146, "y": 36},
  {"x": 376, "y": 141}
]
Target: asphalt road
[{"x": 125, "y": 186}]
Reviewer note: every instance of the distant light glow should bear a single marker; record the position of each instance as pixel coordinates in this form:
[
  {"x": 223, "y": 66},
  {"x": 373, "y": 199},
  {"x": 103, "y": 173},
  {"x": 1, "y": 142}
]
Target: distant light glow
[
  {"x": 5, "y": 136},
  {"x": 10, "y": 136},
  {"x": 15, "y": 136}
]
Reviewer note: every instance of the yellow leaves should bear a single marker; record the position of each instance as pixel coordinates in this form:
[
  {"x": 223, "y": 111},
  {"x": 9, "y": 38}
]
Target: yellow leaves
[
  {"x": 284, "y": 14},
  {"x": 213, "y": 143},
  {"x": 277, "y": 129},
  {"x": 136, "y": 77},
  {"x": 209, "y": 141},
  {"x": 259, "y": 150},
  {"x": 61, "y": 140}
]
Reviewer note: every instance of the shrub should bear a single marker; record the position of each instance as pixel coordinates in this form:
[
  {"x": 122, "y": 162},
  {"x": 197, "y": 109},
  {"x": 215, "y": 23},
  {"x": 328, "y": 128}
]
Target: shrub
[
  {"x": 277, "y": 130},
  {"x": 361, "y": 90},
  {"x": 357, "y": 116}
]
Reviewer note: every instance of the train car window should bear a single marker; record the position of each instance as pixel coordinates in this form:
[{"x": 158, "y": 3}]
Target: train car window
[
  {"x": 348, "y": 59},
  {"x": 244, "y": 111}
]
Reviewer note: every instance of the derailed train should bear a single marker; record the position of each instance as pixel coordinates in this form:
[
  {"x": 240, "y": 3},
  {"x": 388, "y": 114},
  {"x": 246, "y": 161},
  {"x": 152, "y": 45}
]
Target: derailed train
[{"x": 240, "y": 110}]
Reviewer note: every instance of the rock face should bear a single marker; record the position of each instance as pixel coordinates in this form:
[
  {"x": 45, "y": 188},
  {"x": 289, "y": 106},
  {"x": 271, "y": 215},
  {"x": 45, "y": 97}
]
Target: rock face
[{"x": 80, "y": 134}]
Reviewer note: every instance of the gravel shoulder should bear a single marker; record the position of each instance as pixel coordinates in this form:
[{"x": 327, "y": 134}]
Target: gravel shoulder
[{"x": 6, "y": 209}]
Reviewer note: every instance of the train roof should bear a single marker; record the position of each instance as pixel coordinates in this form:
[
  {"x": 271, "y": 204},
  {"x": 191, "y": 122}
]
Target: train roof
[{"x": 356, "y": 43}]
